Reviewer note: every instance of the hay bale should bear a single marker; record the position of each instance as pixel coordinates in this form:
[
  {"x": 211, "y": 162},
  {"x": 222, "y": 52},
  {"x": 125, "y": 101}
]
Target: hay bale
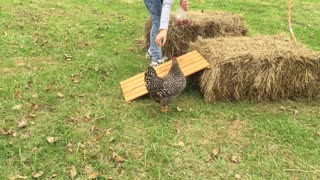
[
  {"x": 258, "y": 69},
  {"x": 206, "y": 24}
]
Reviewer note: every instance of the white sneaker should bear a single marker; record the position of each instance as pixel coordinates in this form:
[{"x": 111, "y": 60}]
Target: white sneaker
[
  {"x": 148, "y": 54},
  {"x": 154, "y": 64},
  {"x": 163, "y": 60}
]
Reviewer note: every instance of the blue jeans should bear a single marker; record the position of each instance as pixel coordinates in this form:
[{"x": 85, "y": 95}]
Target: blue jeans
[{"x": 154, "y": 7}]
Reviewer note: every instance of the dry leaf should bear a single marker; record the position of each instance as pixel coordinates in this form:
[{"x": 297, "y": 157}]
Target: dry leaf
[
  {"x": 73, "y": 172},
  {"x": 88, "y": 169},
  {"x": 23, "y": 124},
  {"x": 109, "y": 131},
  {"x": 52, "y": 139},
  {"x": 53, "y": 176},
  {"x": 17, "y": 107},
  {"x": 216, "y": 151},
  {"x": 19, "y": 94},
  {"x": 34, "y": 106},
  {"x": 32, "y": 115},
  {"x": 37, "y": 174},
  {"x": 180, "y": 143},
  {"x": 93, "y": 175},
  {"x": 72, "y": 119},
  {"x": 283, "y": 108},
  {"x": 12, "y": 132},
  {"x": 17, "y": 177},
  {"x": 237, "y": 176},
  {"x": 117, "y": 158},
  {"x": 68, "y": 57},
  {"x": 235, "y": 159},
  {"x": 60, "y": 95},
  {"x": 2, "y": 131}
]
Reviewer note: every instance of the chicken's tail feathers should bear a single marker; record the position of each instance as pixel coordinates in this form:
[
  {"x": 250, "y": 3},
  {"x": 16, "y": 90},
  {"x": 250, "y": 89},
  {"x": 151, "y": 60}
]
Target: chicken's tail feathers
[{"x": 150, "y": 74}]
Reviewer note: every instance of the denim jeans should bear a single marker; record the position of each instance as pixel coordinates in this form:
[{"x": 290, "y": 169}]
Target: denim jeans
[{"x": 154, "y": 7}]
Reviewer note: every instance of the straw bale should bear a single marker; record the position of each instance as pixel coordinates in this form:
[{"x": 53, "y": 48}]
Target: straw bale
[
  {"x": 258, "y": 69},
  {"x": 207, "y": 24}
]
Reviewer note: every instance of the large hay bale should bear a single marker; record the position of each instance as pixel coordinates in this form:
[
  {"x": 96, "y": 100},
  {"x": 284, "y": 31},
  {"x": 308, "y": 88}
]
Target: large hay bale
[
  {"x": 258, "y": 69},
  {"x": 207, "y": 24}
]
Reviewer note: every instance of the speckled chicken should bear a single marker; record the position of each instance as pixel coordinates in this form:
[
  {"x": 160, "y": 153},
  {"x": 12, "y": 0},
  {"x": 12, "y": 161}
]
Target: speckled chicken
[{"x": 164, "y": 90}]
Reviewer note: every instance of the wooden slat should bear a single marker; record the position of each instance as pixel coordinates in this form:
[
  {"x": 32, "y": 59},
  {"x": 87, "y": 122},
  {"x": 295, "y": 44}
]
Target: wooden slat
[
  {"x": 183, "y": 66},
  {"x": 186, "y": 56},
  {"x": 186, "y": 71},
  {"x": 189, "y": 63}
]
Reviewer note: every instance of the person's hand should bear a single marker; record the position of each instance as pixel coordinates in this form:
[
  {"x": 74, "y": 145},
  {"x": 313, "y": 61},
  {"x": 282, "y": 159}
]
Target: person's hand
[
  {"x": 184, "y": 4},
  {"x": 161, "y": 38}
]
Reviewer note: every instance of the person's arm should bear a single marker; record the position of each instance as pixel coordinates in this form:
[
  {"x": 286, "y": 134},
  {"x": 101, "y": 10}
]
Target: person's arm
[{"x": 161, "y": 38}]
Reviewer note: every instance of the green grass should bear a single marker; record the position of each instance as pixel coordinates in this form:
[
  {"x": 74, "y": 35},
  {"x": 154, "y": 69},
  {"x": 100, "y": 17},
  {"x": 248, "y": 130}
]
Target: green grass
[{"x": 274, "y": 140}]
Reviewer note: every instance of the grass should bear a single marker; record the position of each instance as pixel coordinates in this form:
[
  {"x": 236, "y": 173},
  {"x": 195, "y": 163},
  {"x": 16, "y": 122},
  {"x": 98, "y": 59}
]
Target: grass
[{"x": 83, "y": 49}]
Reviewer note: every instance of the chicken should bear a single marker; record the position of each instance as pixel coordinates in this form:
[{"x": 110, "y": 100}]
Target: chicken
[{"x": 164, "y": 90}]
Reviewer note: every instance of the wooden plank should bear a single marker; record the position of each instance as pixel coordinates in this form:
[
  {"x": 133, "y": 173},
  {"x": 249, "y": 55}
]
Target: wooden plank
[
  {"x": 138, "y": 82},
  {"x": 186, "y": 56},
  {"x": 186, "y": 71},
  {"x": 189, "y": 63},
  {"x": 163, "y": 71}
]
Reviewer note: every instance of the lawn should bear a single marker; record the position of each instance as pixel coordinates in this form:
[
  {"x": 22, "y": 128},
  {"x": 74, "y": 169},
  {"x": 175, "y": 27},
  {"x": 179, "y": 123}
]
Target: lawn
[{"x": 63, "y": 116}]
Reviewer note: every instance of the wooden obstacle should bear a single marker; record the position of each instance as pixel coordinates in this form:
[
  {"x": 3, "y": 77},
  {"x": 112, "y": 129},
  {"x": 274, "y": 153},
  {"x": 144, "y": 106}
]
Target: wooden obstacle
[{"x": 189, "y": 63}]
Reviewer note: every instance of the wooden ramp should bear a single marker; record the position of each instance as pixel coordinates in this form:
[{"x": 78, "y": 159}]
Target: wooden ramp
[{"x": 189, "y": 63}]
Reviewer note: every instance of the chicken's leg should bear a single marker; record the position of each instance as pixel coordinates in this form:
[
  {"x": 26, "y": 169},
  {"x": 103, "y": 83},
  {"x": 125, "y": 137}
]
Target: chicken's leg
[{"x": 165, "y": 108}]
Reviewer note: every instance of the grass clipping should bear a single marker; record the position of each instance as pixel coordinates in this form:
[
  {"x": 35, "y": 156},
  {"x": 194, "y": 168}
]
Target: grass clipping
[
  {"x": 206, "y": 24},
  {"x": 258, "y": 69}
]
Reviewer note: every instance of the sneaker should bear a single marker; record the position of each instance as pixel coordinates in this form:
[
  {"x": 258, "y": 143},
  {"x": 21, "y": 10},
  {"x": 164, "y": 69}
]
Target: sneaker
[
  {"x": 148, "y": 54},
  {"x": 163, "y": 60},
  {"x": 154, "y": 64}
]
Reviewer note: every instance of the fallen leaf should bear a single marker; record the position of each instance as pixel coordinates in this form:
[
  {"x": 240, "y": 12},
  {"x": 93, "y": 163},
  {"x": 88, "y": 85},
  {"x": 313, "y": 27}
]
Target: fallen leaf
[
  {"x": 17, "y": 107},
  {"x": 52, "y": 139},
  {"x": 117, "y": 158},
  {"x": 22, "y": 124},
  {"x": 68, "y": 57},
  {"x": 14, "y": 177},
  {"x": 34, "y": 106},
  {"x": 60, "y": 95},
  {"x": 72, "y": 119},
  {"x": 37, "y": 174},
  {"x": 53, "y": 176},
  {"x": 73, "y": 172},
  {"x": 283, "y": 108},
  {"x": 216, "y": 151},
  {"x": 32, "y": 115},
  {"x": 2, "y": 131},
  {"x": 93, "y": 175},
  {"x": 19, "y": 94},
  {"x": 109, "y": 131},
  {"x": 12, "y": 132},
  {"x": 181, "y": 144},
  {"x": 237, "y": 176},
  {"x": 235, "y": 159}
]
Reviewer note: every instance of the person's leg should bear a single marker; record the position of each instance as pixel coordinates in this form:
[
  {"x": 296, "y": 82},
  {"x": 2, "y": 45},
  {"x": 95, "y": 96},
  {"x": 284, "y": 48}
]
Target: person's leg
[{"x": 154, "y": 7}]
